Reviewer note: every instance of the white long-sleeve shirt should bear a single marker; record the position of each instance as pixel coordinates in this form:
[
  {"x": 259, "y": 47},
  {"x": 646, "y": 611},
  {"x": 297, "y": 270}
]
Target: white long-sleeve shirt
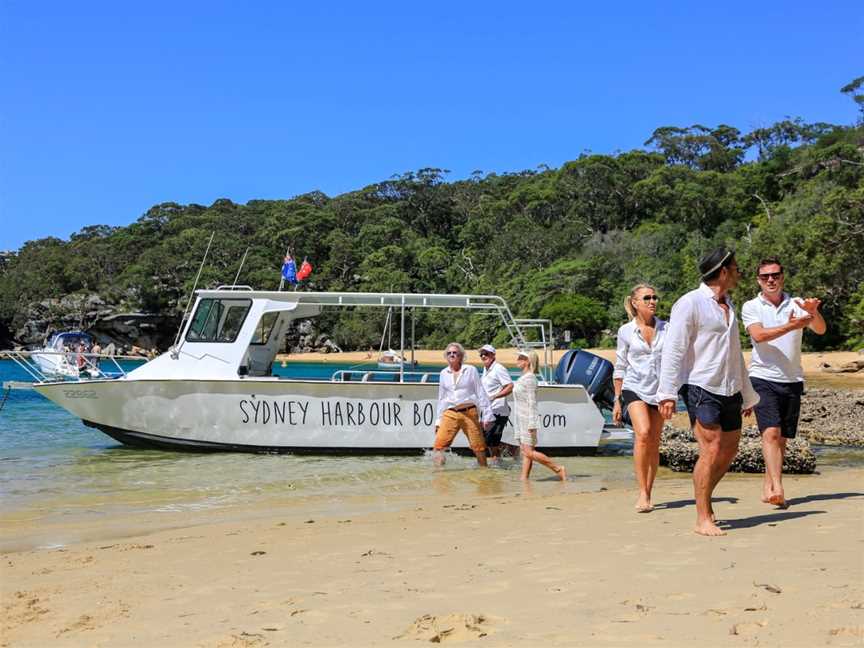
[
  {"x": 525, "y": 414},
  {"x": 637, "y": 363},
  {"x": 702, "y": 348},
  {"x": 467, "y": 390}
]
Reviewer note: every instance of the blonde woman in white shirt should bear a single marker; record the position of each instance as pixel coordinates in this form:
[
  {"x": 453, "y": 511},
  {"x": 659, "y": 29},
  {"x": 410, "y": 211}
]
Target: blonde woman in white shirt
[
  {"x": 636, "y": 379},
  {"x": 525, "y": 417}
]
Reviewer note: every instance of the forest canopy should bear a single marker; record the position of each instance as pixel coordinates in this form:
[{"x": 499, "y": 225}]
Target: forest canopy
[{"x": 564, "y": 243}]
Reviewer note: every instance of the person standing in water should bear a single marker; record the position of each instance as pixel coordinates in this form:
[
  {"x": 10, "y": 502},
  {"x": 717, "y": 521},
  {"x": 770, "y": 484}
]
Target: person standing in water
[
  {"x": 703, "y": 351},
  {"x": 775, "y": 322},
  {"x": 462, "y": 404},
  {"x": 636, "y": 379},
  {"x": 498, "y": 385},
  {"x": 526, "y": 419}
]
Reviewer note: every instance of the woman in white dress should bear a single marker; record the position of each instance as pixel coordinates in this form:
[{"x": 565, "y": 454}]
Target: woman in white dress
[
  {"x": 636, "y": 379},
  {"x": 525, "y": 417}
]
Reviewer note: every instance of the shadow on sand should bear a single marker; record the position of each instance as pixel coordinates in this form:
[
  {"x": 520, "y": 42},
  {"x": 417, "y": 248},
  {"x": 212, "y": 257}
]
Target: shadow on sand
[
  {"x": 756, "y": 520},
  {"x": 691, "y": 502},
  {"x": 821, "y": 498}
]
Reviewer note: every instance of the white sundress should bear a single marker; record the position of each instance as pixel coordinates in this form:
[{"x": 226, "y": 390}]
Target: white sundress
[{"x": 524, "y": 415}]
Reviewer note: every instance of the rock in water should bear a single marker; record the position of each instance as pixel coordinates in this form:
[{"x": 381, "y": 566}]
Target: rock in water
[{"x": 679, "y": 451}]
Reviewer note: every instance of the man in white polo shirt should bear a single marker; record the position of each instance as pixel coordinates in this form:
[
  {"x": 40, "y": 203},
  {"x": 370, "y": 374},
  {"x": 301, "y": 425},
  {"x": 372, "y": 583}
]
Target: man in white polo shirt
[
  {"x": 702, "y": 350},
  {"x": 498, "y": 385},
  {"x": 776, "y": 323}
]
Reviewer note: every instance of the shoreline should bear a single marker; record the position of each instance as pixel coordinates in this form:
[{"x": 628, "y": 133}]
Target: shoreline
[
  {"x": 517, "y": 569},
  {"x": 811, "y": 362}
]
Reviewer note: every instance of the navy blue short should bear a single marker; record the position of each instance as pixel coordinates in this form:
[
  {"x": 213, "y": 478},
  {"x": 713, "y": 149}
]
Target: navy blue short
[
  {"x": 493, "y": 434},
  {"x": 710, "y": 409},
  {"x": 779, "y": 405}
]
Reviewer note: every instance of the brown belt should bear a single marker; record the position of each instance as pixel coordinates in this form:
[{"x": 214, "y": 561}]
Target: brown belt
[{"x": 462, "y": 409}]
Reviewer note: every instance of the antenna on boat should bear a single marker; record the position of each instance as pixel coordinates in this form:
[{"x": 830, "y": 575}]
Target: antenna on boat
[
  {"x": 242, "y": 261},
  {"x": 175, "y": 350}
]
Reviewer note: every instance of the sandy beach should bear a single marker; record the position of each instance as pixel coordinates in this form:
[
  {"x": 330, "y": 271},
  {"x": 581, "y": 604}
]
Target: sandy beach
[
  {"x": 552, "y": 568},
  {"x": 559, "y": 564}
]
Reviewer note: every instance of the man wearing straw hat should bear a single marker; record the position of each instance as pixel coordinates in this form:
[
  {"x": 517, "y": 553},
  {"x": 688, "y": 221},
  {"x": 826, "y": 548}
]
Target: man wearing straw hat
[{"x": 703, "y": 351}]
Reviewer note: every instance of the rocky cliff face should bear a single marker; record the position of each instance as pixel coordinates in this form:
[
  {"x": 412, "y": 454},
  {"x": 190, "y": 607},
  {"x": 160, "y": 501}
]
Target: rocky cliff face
[
  {"x": 109, "y": 324},
  {"x": 91, "y": 313}
]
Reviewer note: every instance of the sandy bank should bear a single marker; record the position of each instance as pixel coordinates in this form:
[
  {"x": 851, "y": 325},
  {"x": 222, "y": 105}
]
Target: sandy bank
[
  {"x": 560, "y": 569},
  {"x": 812, "y": 362}
]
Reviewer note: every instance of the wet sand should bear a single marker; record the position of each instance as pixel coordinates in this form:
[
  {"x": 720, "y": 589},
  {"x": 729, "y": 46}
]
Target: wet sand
[{"x": 544, "y": 567}]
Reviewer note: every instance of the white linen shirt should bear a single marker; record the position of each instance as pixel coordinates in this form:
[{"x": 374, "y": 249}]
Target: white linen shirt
[
  {"x": 779, "y": 359},
  {"x": 496, "y": 378},
  {"x": 637, "y": 362},
  {"x": 702, "y": 348},
  {"x": 468, "y": 389}
]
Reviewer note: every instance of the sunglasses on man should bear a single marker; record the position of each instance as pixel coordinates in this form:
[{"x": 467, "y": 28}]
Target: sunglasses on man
[
  {"x": 770, "y": 275},
  {"x": 453, "y": 353}
]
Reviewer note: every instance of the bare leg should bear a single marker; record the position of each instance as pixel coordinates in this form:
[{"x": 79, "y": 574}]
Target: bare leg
[
  {"x": 773, "y": 450},
  {"x": 527, "y": 453},
  {"x": 481, "y": 457},
  {"x": 438, "y": 457},
  {"x": 709, "y": 469},
  {"x": 541, "y": 458},
  {"x": 647, "y": 426}
]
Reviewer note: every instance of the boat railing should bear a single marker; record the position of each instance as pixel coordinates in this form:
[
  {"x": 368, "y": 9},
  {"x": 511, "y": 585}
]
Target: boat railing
[
  {"x": 366, "y": 375},
  {"x": 90, "y": 366}
]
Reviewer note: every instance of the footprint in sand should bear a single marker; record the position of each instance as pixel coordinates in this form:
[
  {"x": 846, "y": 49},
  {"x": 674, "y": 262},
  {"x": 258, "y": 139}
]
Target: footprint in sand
[{"x": 449, "y": 627}]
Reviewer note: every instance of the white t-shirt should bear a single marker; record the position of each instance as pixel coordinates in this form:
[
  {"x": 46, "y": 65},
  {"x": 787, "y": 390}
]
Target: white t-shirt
[
  {"x": 778, "y": 360},
  {"x": 637, "y": 362},
  {"x": 495, "y": 378}
]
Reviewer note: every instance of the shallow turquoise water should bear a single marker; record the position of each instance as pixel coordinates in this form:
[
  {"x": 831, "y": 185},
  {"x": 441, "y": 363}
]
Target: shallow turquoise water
[{"x": 54, "y": 471}]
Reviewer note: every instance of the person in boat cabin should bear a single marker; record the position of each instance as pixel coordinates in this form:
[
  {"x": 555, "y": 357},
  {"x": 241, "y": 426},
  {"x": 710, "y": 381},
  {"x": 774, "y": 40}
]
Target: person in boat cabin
[
  {"x": 498, "y": 385},
  {"x": 462, "y": 405},
  {"x": 526, "y": 419},
  {"x": 636, "y": 378},
  {"x": 775, "y": 322},
  {"x": 702, "y": 349}
]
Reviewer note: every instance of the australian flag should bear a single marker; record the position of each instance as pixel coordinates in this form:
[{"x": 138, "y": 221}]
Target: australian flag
[{"x": 289, "y": 270}]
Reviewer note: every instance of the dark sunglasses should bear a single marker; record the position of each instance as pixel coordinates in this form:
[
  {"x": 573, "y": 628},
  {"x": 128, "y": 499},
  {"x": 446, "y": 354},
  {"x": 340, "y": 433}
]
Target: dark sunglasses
[
  {"x": 650, "y": 298},
  {"x": 453, "y": 353},
  {"x": 484, "y": 354},
  {"x": 770, "y": 275}
]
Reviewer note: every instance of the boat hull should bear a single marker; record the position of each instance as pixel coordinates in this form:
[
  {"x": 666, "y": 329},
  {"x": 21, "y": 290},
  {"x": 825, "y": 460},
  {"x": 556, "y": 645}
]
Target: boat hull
[{"x": 275, "y": 415}]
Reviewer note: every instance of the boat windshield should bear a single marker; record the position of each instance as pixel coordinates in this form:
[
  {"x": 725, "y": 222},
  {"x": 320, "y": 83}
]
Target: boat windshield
[
  {"x": 218, "y": 320},
  {"x": 71, "y": 340}
]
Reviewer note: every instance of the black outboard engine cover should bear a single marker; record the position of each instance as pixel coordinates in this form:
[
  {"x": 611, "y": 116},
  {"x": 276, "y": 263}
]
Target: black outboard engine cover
[{"x": 579, "y": 367}]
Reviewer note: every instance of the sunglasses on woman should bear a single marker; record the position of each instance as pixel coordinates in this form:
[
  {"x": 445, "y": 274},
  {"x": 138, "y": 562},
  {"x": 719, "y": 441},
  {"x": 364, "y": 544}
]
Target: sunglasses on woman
[{"x": 650, "y": 298}]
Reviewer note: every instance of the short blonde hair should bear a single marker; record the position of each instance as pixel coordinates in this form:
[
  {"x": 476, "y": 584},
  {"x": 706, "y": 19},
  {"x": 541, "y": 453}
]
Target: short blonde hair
[
  {"x": 628, "y": 300},
  {"x": 458, "y": 346}
]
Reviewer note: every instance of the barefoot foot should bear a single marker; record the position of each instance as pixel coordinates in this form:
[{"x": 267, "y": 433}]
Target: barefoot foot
[
  {"x": 708, "y": 528},
  {"x": 778, "y": 500},
  {"x": 643, "y": 504},
  {"x": 562, "y": 474}
]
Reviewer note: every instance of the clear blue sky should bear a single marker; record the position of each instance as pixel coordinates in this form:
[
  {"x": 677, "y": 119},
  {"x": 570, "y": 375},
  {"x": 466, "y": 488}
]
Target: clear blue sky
[{"x": 107, "y": 108}]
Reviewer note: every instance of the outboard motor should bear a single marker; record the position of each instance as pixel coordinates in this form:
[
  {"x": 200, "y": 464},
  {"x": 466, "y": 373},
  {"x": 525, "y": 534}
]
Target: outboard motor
[{"x": 579, "y": 367}]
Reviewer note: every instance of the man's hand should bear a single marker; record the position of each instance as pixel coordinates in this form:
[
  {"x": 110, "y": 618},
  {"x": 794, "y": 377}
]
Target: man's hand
[
  {"x": 616, "y": 412},
  {"x": 811, "y": 305},
  {"x": 799, "y": 322},
  {"x": 667, "y": 408},
  {"x": 747, "y": 413},
  {"x": 487, "y": 426}
]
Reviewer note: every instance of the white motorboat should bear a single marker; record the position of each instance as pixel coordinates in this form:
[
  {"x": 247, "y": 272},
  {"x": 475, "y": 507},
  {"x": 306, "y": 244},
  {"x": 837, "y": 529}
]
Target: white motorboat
[
  {"x": 65, "y": 355},
  {"x": 215, "y": 389}
]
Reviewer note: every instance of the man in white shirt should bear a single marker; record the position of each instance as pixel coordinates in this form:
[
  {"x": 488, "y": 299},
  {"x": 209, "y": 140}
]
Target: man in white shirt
[
  {"x": 776, "y": 323},
  {"x": 460, "y": 396},
  {"x": 702, "y": 351},
  {"x": 498, "y": 385}
]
